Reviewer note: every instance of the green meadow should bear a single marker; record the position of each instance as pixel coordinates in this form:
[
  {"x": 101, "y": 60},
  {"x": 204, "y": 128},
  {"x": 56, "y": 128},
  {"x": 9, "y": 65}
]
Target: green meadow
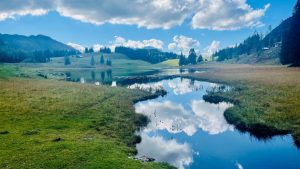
[{"x": 55, "y": 124}]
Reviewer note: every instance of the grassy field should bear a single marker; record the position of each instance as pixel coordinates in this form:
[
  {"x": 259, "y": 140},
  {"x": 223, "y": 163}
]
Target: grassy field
[
  {"x": 171, "y": 62},
  {"x": 121, "y": 65},
  {"x": 52, "y": 124},
  {"x": 267, "y": 98}
]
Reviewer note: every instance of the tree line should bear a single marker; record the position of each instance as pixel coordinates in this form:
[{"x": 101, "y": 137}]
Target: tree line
[
  {"x": 286, "y": 36},
  {"x": 152, "y": 56},
  {"x": 102, "y": 61},
  {"x": 252, "y": 44},
  {"x": 102, "y": 50},
  {"x": 191, "y": 59},
  {"x": 11, "y": 55}
]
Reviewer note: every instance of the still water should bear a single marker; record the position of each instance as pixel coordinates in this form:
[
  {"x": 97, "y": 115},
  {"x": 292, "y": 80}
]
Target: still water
[
  {"x": 108, "y": 77},
  {"x": 188, "y": 132}
]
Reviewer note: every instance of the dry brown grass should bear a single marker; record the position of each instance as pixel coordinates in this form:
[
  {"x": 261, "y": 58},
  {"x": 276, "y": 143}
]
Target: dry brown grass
[{"x": 262, "y": 74}]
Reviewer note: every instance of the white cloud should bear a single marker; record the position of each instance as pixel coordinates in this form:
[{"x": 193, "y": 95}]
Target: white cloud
[
  {"x": 120, "y": 41},
  {"x": 143, "y": 13},
  {"x": 211, "y": 49},
  {"x": 183, "y": 44},
  {"x": 210, "y": 117},
  {"x": 10, "y": 9},
  {"x": 205, "y": 14},
  {"x": 227, "y": 15},
  {"x": 176, "y": 154},
  {"x": 97, "y": 47},
  {"x": 76, "y": 46},
  {"x": 239, "y": 166}
]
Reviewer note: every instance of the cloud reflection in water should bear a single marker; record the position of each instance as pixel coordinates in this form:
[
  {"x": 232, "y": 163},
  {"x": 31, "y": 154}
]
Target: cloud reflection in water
[
  {"x": 182, "y": 110},
  {"x": 176, "y": 154}
]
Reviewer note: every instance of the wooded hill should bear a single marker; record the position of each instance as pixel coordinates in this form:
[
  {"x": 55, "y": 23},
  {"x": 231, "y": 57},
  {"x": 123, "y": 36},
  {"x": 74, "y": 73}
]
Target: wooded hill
[
  {"x": 17, "y": 48},
  {"x": 257, "y": 48},
  {"x": 282, "y": 43}
]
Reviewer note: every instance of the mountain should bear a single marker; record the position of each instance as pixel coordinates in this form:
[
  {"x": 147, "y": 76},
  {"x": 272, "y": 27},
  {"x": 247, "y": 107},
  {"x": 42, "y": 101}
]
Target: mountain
[
  {"x": 33, "y": 43},
  {"x": 40, "y": 48}
]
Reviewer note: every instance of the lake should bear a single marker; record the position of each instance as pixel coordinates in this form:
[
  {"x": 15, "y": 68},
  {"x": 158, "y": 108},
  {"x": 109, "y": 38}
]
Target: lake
[
  {"x": 111, "y": 76},
  {"x": 189, "y": 133}
]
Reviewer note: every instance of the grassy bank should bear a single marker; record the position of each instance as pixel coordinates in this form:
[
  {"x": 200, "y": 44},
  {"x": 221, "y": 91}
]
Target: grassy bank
[
  {"x": 267, "y": 98},
  {"x": 52, "y": 124},
  {"x": 121, "y": 65}
]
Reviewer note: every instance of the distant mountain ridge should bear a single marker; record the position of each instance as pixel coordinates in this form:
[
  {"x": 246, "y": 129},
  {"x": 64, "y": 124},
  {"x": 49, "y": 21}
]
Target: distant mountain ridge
[
  {"x": 32, "y": 43},
  {"x": 34, "y": 48}
]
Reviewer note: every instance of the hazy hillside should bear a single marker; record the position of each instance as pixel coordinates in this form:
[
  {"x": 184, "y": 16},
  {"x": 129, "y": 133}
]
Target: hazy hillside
[
  {"x": 32, "y": 43},
  {"x": 40, "y": 48}
]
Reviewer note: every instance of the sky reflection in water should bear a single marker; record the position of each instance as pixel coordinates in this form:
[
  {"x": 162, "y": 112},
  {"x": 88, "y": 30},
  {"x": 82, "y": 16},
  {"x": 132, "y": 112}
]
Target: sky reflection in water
[{"x": 188, "y": 132}]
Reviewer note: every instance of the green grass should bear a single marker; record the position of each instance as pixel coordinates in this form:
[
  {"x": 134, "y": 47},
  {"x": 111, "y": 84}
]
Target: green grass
[
  {"x": 52, "y": 124},
  {"x": 171, "y": 62},
  {"x": 121, "y": 65}
]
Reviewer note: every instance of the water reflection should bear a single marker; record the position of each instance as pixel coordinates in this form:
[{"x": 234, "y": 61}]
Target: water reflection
[
  {"x": 90, "y": 76},
  {"x": 184, "y": 86},
  {"x": 177, "y": 154},
  {"x": 181, "y": 111},
  {"x": 210, "y": 117},
  {"x": 188, "y": 132}
]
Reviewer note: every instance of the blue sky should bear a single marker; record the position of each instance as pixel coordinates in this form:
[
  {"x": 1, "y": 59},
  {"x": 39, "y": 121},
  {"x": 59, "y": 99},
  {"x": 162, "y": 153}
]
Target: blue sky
[{"x": 89, "y": 28}]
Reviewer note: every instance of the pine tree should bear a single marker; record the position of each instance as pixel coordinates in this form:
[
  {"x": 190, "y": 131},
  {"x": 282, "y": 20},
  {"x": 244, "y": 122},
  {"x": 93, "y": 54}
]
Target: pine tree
[
  {"x": 91, "y": 50},
  {"x": 67, "y": 60},
  {"x": 200, "y": 59},
  {"x": 108, "y": 62},
  {"x": 92, "y": 61},
  {"x": 86, "y": 50},
  {"x": 182, "y": 59},
  {"x": 192, "y": 58},
  {"x": 102, "y": 60}
]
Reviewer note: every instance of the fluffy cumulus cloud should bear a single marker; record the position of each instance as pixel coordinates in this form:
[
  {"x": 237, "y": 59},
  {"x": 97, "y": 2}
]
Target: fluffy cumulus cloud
[
  {"x": 120, "y": 41},
  {"x": 183, "y": 44},
  {"x": 227, "y": 15},
  {"x": 76, "y": 46},
  {"x": 211, "y": 49},
  {"x": 10, "y": 9},
  {"x": 97, "y": 47},
  {"x": 205, "y": 14}
]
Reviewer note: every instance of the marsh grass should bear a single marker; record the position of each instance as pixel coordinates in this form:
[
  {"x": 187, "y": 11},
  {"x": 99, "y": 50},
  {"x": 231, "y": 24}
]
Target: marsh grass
[{"x": 266, "y": 98}]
